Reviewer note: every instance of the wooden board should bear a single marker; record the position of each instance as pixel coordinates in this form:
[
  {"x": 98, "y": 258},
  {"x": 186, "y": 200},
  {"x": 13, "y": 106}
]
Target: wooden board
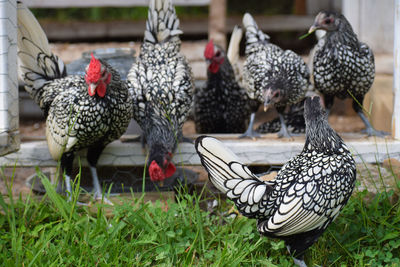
[
  {"x": 108, "y": 3},
  {"x": 264, "y": 151}
]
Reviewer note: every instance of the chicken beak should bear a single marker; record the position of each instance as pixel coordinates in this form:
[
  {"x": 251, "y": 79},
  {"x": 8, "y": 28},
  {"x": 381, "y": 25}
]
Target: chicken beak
[
  {"x": 92, "y": 89},
  {"x": 267, "y": 95},
  {"x": 313, "y": 28}
]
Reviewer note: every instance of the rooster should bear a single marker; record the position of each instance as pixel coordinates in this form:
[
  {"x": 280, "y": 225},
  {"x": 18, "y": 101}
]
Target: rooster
[
  {"x": 161, "y": 86},
  {"x": 278, "y": 78},
  {"x": 306, "y": 195},
  {"x": 222, "y": 105},
  {"x": 81, "y": 112},
  {"x": 342, "y": 65}
]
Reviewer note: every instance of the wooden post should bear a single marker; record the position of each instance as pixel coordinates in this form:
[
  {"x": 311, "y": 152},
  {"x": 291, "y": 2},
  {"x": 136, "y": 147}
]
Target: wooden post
[
  {"x": 217, "y": 22},
  {"x": 396, "y": 72},
  {"x": 9, "y": 119}
]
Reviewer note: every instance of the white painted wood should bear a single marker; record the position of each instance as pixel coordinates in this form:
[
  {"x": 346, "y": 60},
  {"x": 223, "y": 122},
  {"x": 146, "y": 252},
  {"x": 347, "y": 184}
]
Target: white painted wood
[
  {"x": 103, "y": 3},
  {"x": 350, "y": 9},
  {"x": 315, "y": 6},
  {"x": 264, "y": 151},
  {"x": 9, "y": 137},
  {"x": 372, "y": 21},
  {"x": 396, "y": 73}
]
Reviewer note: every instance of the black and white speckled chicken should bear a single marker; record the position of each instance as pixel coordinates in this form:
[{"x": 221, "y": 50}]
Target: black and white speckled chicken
[
  {"x": 342, "y": 65},
  {"x": 306, "y": 195},
  {"x": 81, "y": 112},
  {"x": 271, "y": 75},
  {"x": 221, "y": 106},
  {"x": 294, "y": 120},
  {"x": 162, "y": 87}
]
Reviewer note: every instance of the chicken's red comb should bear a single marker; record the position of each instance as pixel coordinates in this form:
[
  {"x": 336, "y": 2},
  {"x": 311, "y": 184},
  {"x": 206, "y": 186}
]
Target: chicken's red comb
[
  {"x": 209, "y": 51},
  {"x": 93, "y": 73}
]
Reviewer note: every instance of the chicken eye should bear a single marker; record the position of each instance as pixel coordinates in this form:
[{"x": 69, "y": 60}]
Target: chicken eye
[
  {"x": 218, "y": 54},
  {"x": 328, "y": 21}
]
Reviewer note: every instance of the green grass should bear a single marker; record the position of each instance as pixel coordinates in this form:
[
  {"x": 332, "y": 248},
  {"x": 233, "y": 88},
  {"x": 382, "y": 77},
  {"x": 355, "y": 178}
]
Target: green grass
[{"x": 53, "y": 232}]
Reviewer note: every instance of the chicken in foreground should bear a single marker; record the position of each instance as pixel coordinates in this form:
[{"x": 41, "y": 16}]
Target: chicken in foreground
[
  {"x": 81, "y": 112},
  {"x": 272, "y": 76},
  {"x": 161, "y": 86},
  {"x": 221, "y": 106},
  {"x": 306, "y": 195},
  {"x": 342, "y": 65}
]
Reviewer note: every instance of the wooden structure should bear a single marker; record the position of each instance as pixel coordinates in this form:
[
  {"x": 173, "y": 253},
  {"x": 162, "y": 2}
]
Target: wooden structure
[
  {"x": 396, "y": 73},
  {"x": 9, "y": 137},
  {"x": 217, "y": 13},
  {"x": 268, "y": 150}
]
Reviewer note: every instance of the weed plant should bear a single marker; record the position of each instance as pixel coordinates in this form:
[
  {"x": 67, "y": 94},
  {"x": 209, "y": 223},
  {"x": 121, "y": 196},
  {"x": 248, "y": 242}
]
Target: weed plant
[{"x": 49, "y": 231}]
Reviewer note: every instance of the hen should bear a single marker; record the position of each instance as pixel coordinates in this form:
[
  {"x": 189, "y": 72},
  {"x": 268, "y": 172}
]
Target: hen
[
  {"x": 81, "y": 112},
  {"x": 272, "y": 76},
  {"x": 221, "y": 106},
  {"x": 161, "y": 86},
  {"x": 307, "y": 194},
  {"x": 342, "y": 66},
  {"x": 294, "y": 120}
]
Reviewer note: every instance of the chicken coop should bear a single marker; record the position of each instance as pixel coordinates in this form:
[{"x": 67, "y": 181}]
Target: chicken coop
[{"x": 383, "y": 34}]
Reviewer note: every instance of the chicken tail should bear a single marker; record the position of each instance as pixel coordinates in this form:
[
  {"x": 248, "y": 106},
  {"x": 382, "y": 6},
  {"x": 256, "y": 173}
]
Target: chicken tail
[
  {"x": 162, "y": 23},
  {"x": 234, "y": 45},
  {"x": 253, "y": 33},
  {"x": 37, "y": 65},
  {"x": 231, "y": 177}
]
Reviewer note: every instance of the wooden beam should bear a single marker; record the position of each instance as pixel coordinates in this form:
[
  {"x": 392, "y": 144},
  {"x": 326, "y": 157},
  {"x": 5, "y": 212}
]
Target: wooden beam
[
  {"x": 396, "y": 72},
  {"x": 300, "y": 7},
  {"x": 77, "y": 30},
  {"x": 217, "y": 22},
  {"x": 9, "y": 119},
  {"x": 105, "y": 3},
  {"x": 268, "y": 150}
]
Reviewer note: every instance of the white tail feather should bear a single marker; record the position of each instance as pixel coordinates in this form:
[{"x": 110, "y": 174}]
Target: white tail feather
[
  {"x": 253, "y": 33},
  {"x": 162, "y": 23},
  {"x": 231, "y": 177},
  {"x": 221, "y": 163},
  {"x": 234, "y": 45},
  {"x": 36, "y": 63}
]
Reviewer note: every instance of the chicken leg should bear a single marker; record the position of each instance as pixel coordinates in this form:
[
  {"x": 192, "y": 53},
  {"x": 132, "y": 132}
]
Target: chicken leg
[{"x": 250, "y": 132}]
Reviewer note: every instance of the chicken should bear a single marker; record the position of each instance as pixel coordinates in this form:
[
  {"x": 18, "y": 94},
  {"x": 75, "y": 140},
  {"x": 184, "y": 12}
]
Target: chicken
[
  {"x": 162, "y": 87},
  {"x": 306, "y": 195},
  {"x": 222, "y": 105},
  {"x": 275, "y": 77},
  {"x": 81, "y": 112},
  {"x": 342, "y": 65},
  {"x": 294, "y": 120}
]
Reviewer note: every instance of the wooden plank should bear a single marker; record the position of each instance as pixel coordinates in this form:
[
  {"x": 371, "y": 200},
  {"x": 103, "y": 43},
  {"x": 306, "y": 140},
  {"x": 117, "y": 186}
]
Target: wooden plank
[
  {"x": 396, "y": 73},
  {"x": 77, "y": 30},
  {"x": 264, "y": 151},
  {"x": 217, "y": 22},
  {"x": 105, "y": 3},
  {"x": 9, "y": 120}
]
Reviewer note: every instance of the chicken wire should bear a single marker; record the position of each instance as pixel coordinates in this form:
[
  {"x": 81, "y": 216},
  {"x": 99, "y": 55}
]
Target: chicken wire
[{"x": 9, "y": 135}]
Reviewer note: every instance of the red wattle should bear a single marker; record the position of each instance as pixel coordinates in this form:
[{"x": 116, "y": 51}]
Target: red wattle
[
  {"x": 170, "y": 170},
  {"x": 214, "y": 67},
  {"x": 101, "y": 89},
  {"x": 156, "y": 173}
]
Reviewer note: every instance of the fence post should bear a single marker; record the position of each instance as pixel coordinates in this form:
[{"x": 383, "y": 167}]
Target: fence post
[
  {"x": 396, "y": 72},
  {"x": 9, "y": 119},
  {"x": 217, "y": 22}
]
